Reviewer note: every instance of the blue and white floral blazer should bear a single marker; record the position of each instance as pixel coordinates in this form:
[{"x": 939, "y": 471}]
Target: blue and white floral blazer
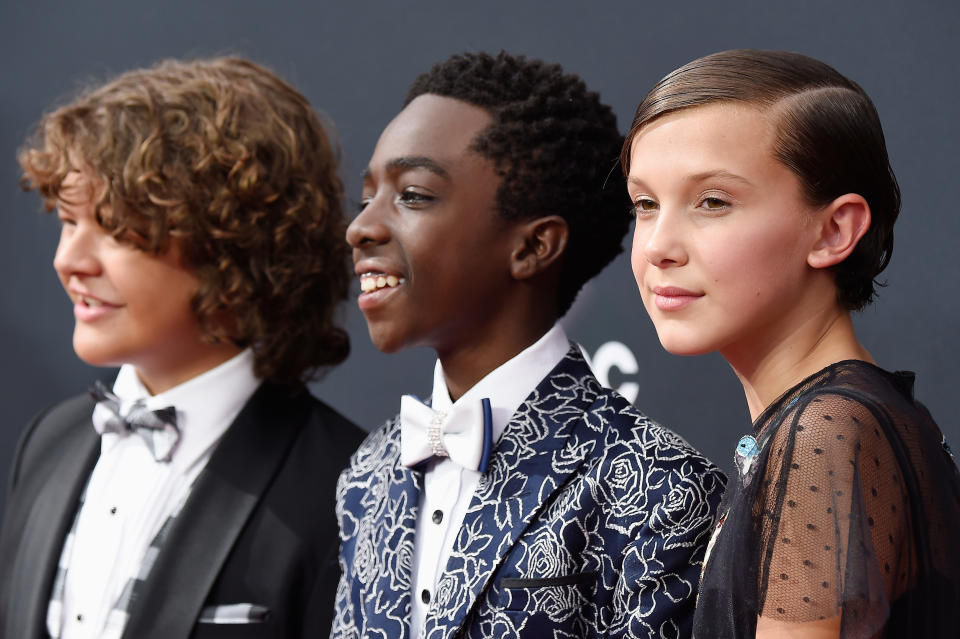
[{"x": 591, "y": 521}]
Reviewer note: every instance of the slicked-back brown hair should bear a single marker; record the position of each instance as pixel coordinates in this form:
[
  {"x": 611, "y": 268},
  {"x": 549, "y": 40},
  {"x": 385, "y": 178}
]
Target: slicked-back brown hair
[
  {"x": 232, "y": 163},
  {"x": 828, "y": 134}
]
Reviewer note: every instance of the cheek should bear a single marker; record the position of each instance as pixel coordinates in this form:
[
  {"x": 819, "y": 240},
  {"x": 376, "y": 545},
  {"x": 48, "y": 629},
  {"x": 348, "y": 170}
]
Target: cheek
[
  {"x": 756, "y": 267},
  {"x": 638, "y": 261},
  {"x": 158, "y": 290},
  {"x": 168, "y": 319},
  {"x": 177, "y": 298},
  {"x": 733, "y": 266}
]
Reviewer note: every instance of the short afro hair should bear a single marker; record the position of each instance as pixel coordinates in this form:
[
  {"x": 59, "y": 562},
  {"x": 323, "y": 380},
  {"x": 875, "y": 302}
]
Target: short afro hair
[{"x": 555, "y": 147}]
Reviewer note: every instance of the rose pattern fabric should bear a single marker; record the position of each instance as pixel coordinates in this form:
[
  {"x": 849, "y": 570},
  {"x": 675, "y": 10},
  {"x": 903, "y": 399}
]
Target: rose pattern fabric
[{"x": 591, "y": 521}]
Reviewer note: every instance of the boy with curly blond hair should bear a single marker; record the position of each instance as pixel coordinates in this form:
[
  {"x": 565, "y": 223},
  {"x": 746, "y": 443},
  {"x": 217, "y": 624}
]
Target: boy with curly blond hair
[{"x": 202, "y": 247}]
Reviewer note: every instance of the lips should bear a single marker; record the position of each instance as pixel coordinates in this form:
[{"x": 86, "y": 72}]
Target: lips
[
  {"x": 372, "y": 281},
  {"x": 87, "y": 307},
  {"x": 91, "y": 309},
  {"x": 378, "y": 282},
  {"x": 89, "y": 301},
  {"x": 673, "y": 298}
]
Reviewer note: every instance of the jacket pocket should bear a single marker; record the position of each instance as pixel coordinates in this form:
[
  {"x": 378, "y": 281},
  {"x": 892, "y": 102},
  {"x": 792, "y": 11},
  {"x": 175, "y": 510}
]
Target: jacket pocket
[
  {"x": 556, "y": 595},
  {"x": 543, "y": 582},
  {"x": 241, "y": 613}
]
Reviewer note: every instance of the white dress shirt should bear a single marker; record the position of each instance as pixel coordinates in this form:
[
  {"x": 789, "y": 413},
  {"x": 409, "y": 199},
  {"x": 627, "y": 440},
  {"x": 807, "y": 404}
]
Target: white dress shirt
[
  {"x": 130, "y": 495},
  {"x": 448, "y": 487}
]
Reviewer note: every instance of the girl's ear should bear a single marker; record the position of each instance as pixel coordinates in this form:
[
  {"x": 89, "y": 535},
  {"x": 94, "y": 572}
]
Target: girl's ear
[
  {"x": 541, "y": 242},
  {"x": 841, "y": 225}
]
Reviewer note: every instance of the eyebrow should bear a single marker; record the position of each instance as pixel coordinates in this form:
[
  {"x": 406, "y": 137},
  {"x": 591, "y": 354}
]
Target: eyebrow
[
  {"x": 700, "y": 177},
  {"x": 407, "y": 162},
  {"x": 718, "y": 173},
  {"x": 64, "y": 200}
]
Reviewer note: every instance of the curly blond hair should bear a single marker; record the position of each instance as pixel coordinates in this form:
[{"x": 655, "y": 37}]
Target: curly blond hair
[{"x": 234, "y": 165}]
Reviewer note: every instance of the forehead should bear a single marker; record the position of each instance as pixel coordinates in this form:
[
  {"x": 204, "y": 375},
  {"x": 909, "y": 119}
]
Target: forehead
[
  {"x": 438, "y": 128},
  {"x": 77, "y": 188},
  {"x": 720, "y": 133}
]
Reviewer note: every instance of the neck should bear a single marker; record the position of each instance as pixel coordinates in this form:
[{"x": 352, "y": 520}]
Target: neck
[
  {"x": 767, "y": 368},
  {"x": 164, "y": 376},
  {"x": 470, "y": 362}
]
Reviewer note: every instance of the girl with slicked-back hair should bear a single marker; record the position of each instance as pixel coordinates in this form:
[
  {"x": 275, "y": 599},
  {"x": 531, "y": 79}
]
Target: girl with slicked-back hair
[{"x": 765, "y": 205}]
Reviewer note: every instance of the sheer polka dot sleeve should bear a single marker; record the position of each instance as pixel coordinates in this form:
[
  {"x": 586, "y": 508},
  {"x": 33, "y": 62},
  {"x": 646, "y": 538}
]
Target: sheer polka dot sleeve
[
  {"x": 845, "y": 514},
  {"x": 833, "y": 516}
]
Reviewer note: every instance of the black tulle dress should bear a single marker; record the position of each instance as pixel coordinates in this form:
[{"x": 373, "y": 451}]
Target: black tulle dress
[{"x": 848, "y": 503}]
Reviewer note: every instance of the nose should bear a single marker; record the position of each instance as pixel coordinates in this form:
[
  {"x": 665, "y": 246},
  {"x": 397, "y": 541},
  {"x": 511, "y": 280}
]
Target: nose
[
  {"x": 660, "y": 241},
  {"x": 368, "y": 226},
  {"x": 76, "y": 253}
]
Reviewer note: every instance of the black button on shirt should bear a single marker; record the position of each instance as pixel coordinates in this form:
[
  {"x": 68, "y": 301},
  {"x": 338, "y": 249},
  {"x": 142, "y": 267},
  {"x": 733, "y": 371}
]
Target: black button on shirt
[
  {"x": 437, "y": 516},
  {"x": 425, "y": 596}
]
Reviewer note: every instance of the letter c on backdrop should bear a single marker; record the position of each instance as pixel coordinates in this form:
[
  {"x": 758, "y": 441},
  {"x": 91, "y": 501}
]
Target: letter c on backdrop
[{"x": 615, "y": 355}]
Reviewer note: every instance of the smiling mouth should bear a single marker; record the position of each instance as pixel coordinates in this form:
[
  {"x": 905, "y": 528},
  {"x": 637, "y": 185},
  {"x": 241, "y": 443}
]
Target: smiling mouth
[
  {"x": 89, "y": 301},
  {"x": 370, "y": 282},
  {"x": 89, "y": 309}
]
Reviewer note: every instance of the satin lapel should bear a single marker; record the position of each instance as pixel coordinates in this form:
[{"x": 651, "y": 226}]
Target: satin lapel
[
  {"x": 225, "y": 495},
  {"x": 54, "y": 507},
  {"x": 387, "y": 556},
  {"x": 547, "y": 439}
]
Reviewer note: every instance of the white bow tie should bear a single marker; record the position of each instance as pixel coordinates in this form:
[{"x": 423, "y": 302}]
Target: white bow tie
[{"x": 464, "y": 433}]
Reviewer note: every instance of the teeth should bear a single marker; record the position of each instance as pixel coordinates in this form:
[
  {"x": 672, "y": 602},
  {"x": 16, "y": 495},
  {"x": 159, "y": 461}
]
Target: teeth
[
  {"x": 89, "y": 301},
  {"x": 374, "y": 281}
]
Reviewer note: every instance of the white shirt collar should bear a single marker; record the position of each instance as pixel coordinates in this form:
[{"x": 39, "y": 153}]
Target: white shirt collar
[
  {"x": 206, "y": 404},
  {"x": 508, "y": 385}
]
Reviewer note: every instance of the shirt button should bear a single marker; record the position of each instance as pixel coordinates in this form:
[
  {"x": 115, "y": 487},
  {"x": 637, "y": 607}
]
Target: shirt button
[
  {"x": 80, "y": 618},
  {"x": 425, "y": 596},
  {"x": 437, "y": 516},
  {"x": 113, "y": 510}
]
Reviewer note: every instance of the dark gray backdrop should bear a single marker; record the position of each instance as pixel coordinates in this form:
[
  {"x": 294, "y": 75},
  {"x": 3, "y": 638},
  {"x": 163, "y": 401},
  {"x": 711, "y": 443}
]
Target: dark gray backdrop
[{"x": 354, "y": 60}]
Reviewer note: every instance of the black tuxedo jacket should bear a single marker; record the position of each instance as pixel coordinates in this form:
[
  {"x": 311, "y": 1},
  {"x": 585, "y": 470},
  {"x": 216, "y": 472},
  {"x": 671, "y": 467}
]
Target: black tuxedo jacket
[{"x": 259, "y": 526}]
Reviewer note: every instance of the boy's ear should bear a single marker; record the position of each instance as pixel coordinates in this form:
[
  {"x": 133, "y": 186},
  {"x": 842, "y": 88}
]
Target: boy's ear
[
  {"x": 841, "y": 224},
  {"x": 540, "y": 243}
]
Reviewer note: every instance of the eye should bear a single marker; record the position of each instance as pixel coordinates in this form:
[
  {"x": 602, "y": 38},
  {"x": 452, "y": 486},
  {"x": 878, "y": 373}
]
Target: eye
[
  {"x": 714, "y": 204},
  {"x": 129, "y": 237},
  {"x": 65, "y": 219},
  {"x": 414, "y": 199},
  {"x": 67, "y": 224},
  {"x": 644, "y": 206}
]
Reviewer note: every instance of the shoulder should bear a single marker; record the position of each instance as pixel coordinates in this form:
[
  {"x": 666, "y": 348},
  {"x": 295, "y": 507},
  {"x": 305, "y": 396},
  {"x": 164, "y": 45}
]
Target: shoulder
[
  {"x": 364, "y": 484},
  {"x": 338, "y": 431},
  {"x": 846, "y": 397},
  {"x": 49, "y": 431},
  {"x": 380, "y": 449},
  {"x": 65, "y": 415},
  {"x": 313, "y": 425},
  {"x": 830, "y": 421},
  {"x": 628, "y": 430},
  {"x": 839, "y": 440},
  {"x": 645, "y": 467},
  {"x": 620, "y": 425}
]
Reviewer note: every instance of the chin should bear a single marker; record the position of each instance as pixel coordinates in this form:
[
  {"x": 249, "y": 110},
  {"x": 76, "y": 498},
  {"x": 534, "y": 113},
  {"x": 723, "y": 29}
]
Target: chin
[
  {"x": 383, "y": 341},
  {"x": 685, "y": 345},
  {"x": 95, "y": 356},
  {"x": 92, "y": 347}
]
